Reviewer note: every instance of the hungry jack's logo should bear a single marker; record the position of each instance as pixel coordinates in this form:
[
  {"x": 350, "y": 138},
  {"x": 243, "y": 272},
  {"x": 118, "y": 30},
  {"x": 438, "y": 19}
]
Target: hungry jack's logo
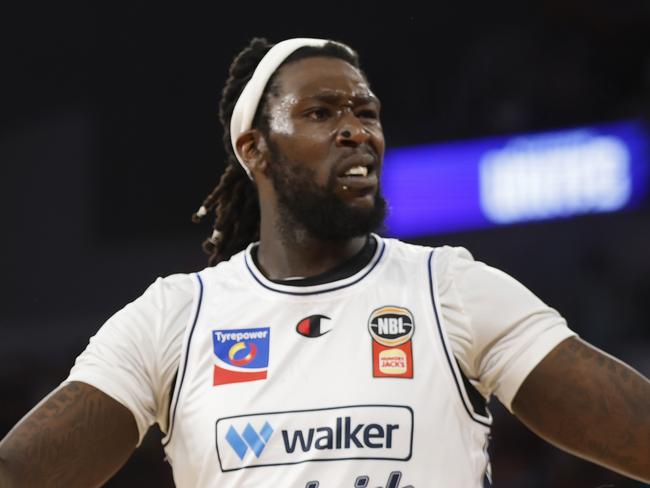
[
  {"x": 391, "y": 329},
  {"x": 314, "y": 326},
  {"x": 240, "y": 355}
]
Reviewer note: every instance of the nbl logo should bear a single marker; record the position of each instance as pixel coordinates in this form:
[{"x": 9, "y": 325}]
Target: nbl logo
[
  {"x": 240, "y": 355},
  {"x": 391, "y": 329}
]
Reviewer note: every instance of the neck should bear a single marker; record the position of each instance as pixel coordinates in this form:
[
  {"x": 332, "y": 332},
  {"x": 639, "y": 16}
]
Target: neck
[{"x": 285, "y": 253}]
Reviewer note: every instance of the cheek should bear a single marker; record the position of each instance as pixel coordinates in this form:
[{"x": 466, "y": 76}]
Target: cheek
[
  {"x": 308, "y": 144},
  {"x": 314, "y": 157},
  {"x": 378, "y": 139},
  {"x": 314, "y": 152}
]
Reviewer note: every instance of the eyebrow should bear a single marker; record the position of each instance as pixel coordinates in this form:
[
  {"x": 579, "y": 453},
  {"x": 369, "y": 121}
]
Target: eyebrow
[{"x": 333, "y": 97}]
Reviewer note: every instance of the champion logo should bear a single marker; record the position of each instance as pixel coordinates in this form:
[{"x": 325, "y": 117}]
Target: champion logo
[
  {"x": 314, "y": 326},
  {"x": 249, "y": 438}
]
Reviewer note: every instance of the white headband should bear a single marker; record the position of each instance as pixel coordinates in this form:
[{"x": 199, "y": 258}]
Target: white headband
[{"x": 246, "y": 106}]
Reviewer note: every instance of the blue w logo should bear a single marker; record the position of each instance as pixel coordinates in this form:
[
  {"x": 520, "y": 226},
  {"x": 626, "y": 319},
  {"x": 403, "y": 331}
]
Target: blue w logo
[{"x": 249, "y": 439}]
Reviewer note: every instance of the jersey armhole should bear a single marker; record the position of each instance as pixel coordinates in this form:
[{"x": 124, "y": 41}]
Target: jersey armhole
[
  {"x": 172, "y": 388},
  {"x": 176, "y": 385},
  {"x": 474, "y": 403}
]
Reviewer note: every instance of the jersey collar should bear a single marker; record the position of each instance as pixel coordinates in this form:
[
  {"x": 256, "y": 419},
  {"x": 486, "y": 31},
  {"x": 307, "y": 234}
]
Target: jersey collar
[{"x": 298, "y": 287}]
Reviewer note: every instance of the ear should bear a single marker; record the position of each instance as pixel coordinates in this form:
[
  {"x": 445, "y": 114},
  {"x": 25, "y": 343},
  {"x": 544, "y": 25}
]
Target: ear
[{"x": 252, "y": 148}]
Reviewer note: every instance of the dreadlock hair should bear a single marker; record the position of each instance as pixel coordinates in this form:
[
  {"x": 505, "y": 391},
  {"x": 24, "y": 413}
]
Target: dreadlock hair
[{"x": 234, "y": 202}]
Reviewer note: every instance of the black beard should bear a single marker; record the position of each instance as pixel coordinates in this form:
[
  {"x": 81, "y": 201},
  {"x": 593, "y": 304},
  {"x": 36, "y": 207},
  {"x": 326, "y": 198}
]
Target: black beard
[{"x": 317, "y": 210}]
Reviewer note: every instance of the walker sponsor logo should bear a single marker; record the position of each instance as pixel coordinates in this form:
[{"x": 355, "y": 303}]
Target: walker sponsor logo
[
  {"x": 391, "y": 329},
  {"x": 249, "y": 438},
  {"x": 240, "y": 355},
  {"x": 383, "y": 432}
]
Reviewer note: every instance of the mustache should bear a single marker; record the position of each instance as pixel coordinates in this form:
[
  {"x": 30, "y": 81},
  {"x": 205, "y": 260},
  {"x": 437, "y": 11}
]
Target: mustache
[{"x": 365, "y": 150}]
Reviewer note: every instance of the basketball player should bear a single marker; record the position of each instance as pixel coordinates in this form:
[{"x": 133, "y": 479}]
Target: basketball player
[{"x": 312, "y": 352}]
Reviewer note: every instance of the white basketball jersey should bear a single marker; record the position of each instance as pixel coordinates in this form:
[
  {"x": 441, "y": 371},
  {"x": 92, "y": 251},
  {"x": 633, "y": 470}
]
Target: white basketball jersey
[{"x": 346, "y": 384}]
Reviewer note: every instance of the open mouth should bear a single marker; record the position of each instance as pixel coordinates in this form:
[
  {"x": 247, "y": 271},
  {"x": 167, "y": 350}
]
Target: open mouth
[
  {"x": 359, "y": 174},
  {"x": 360, "y": 170},
  {"x": 360, "y": 178}
]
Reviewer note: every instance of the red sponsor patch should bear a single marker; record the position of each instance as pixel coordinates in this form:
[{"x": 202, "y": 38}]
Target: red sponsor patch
[{"x": 222, "y": 376}]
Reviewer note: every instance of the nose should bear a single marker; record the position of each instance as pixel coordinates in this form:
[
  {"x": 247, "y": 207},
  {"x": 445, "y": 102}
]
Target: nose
[{"x": 352, "y": 132}]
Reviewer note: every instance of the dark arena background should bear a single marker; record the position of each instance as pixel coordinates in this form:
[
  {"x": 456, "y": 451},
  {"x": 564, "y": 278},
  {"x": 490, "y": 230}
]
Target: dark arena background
[{"x": 109, "y": 140}]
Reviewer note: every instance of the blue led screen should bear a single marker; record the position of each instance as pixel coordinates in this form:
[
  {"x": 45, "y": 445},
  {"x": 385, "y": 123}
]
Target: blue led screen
[{"x": 438, "y": 188}]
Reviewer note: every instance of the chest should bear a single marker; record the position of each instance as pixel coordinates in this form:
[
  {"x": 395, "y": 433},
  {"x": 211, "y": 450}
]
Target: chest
[
  {"x": 288, "y": 384},
  {"x": 258, "y": 353}
]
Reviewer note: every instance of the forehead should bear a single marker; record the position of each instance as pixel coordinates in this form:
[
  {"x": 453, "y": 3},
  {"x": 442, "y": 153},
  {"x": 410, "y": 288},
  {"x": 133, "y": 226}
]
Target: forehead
[{"x": 309, "y": 76}]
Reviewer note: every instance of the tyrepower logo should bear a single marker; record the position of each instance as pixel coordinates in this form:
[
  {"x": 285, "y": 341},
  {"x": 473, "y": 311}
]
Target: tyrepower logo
[
  {"x": 382, "y": 432},
  {"x": 240, "y": 355}
]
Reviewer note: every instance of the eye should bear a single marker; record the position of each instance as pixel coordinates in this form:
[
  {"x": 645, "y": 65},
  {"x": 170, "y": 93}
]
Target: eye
[
  {"x": 318, "y": 113},
  {"x": 368, "y": 114}
]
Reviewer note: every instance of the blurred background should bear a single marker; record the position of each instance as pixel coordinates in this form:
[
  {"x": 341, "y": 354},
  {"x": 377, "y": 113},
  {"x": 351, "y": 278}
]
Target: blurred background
[{"x": 109, "y": 140}]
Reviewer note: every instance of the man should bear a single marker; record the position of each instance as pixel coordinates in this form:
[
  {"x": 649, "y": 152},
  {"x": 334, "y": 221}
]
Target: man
[{"x": 323, "y": 355}]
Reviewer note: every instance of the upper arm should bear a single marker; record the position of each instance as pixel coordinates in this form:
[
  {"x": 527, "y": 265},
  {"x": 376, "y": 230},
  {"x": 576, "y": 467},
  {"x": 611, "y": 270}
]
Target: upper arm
[
  {"x": 77, "y": 436},
  {"x": 119, "y": 386},
  {"x": 590, "y": 404}
]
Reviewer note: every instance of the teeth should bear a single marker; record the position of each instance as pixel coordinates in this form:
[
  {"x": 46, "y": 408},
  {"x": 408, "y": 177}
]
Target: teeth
[{"x": 357, "y": 171}]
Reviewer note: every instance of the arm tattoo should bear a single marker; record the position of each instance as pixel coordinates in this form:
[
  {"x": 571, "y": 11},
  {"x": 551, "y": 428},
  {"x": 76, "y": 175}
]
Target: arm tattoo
[
  {"x": 592, "y": 405},
  {"x": 78, "y": 436}
]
